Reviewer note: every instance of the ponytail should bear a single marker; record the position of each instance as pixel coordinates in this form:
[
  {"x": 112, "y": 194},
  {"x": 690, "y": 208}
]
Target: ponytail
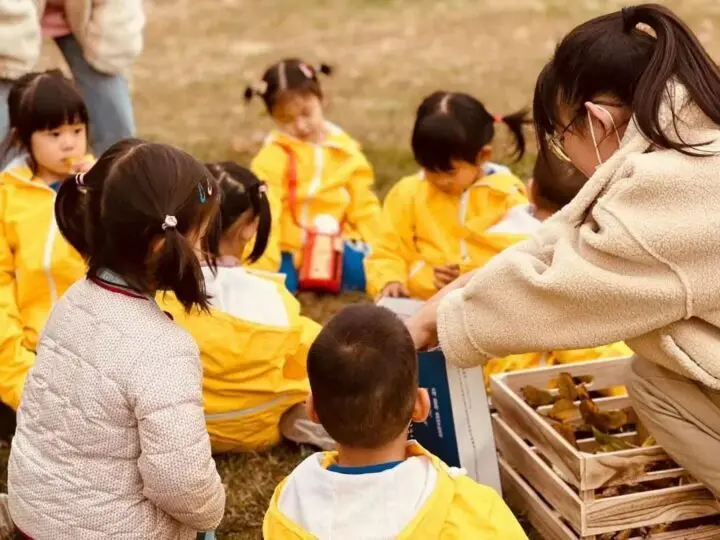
[
  {"x": 515, "y": 123},
  {"x": 176, "y": 267},
  {"x": 261, "y": 207},
  {"x": 610, "y": 55},
  {"x": 677, "y": 53}
]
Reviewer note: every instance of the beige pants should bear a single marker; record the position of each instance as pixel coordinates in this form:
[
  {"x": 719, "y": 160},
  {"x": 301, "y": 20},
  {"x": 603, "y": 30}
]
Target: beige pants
[{"x": 683, "y": 415}]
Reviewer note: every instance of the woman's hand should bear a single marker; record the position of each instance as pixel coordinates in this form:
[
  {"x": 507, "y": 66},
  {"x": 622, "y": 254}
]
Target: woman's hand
[{"x": 423, "y": 326}]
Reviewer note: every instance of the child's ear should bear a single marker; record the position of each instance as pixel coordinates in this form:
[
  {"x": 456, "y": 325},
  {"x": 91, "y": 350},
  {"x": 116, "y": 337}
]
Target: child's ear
[
  {"x": 422, "y": 406},
  {"x": 484, "y": 155},
  {"x": 310, "y": 406}
]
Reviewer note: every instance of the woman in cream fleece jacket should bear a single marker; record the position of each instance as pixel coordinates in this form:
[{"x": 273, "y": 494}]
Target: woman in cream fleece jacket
[{"x": 635, "y": 255}]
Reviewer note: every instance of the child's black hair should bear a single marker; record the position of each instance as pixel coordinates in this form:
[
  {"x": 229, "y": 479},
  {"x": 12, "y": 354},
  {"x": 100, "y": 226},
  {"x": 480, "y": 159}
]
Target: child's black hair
[
  {"x": 555, "y": 182},
  {"x": 42, "y": 101},
  {"x": 612, "y": 55},
  {"x": 454, "y": 126},
  {"x": 240, "y": 191},
  {"x": 363, "y": 372},
  {"x": 131, "y": 213},
  {"x": 289, "y": 75}
]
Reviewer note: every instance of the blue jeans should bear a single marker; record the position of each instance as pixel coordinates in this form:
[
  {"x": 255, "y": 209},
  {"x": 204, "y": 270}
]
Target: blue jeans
[
  {"x": 353, "y": 276},
  {"x": 107, "y": 98}
]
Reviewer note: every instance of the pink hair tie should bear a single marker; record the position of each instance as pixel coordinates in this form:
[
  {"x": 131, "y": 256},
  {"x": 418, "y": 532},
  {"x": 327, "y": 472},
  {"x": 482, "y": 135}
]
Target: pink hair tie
[
  {"x": 498, "y": 118},
  {"x": 306, "y": 70}
]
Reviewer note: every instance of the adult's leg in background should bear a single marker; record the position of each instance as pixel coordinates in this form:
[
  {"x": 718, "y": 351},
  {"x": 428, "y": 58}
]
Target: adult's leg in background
[
  {"x": 107, "y": 98},
  {"x": 5, "y": 157},
  {"x": 682, "y": 414}
]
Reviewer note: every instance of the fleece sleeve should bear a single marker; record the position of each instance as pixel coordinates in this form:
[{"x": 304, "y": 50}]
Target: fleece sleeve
[{"x": 596, "y": 283}]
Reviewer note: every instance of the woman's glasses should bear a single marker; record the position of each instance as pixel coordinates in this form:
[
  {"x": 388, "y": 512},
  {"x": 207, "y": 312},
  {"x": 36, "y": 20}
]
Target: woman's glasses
[{"x": 556, "y": 141}]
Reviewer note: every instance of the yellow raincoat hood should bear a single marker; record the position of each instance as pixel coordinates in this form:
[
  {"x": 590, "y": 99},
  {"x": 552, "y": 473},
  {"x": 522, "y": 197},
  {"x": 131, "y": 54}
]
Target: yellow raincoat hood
[
  {"x": 334, "y": 178},
  {"x": 455, "y": 506},
  {"x": 37, "y": 266}
]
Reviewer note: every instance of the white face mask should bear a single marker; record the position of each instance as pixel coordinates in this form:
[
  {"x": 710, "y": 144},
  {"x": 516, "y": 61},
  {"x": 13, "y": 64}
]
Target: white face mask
[{"x": 592, "y": 132}]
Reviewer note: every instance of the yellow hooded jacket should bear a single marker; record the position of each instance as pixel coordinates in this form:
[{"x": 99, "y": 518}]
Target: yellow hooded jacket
[
  {"x": 333, "y": 178},
  {"x": 424, "y": 227},
  {"x": 37, "y": 266},
  {"x": 253, "y": 348},
  {"x": 457, "y": 507}
]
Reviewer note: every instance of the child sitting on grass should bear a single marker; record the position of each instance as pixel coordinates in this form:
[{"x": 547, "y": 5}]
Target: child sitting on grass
[
  {"x": 319, "y": 181},
  {"x": 48, "y": 126},
  {"x": 253, "y": 342},
  {"x": 363, "y": 372},
  {"x": 111, "y": 439},
  {"x": 436, "y": 221}
]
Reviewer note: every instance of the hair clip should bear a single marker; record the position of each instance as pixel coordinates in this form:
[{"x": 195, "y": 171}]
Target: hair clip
[
  {"x": 169, "y": 223},
  {"x": 498, "y": 119},
  {"x": 262, "y": 188},
  {"x": 80, "y": 179},
  {"x": 306, "y": 70}
]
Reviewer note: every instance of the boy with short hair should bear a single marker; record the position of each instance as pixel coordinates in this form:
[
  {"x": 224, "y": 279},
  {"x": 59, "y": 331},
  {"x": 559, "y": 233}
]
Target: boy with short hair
[{"x": 363, "y": 372}]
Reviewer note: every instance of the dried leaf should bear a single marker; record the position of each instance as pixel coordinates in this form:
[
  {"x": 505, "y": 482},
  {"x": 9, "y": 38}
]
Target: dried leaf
[
  {"x": 623, "y": 535},
  {"x": 566, "y": 387},
  {"x": 583, "y": 379},
  {"x": 611, "y": 443},
  {"x": 567, "y": 432},
  {"x": 610, "y": 420},
  {"x": 649, "y": 441},
  {"x": 582, "y": 392},
  {"x": 631, "y": 415},
  {"x": 536, "y": 397},
  {"x": 563, "y": 410},
  {"x": 659, "y": 528}
]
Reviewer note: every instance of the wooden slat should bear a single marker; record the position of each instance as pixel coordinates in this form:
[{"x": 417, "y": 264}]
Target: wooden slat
[
  {"x": 618, "y": 468},
  {"x": 523, "y": 500},
  {"x": 607, "y": 373},
  {"x": 524, "y": 421},
  {"x": 707, "y": 532},
  {"x": 538, "y": 474},
  {"x": 649, "y": 508}
]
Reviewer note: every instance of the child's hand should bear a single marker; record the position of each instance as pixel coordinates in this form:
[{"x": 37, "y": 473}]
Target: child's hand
[
  {"x": 445, "y": 275},
  {"x": 81, "y": 165},
  {"x": 395, "y": 289}
]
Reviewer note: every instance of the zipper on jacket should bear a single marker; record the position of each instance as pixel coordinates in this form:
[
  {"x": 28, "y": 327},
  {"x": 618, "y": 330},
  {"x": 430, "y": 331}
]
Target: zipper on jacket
[
  {"x": 247, "y": 411},
  {"x": 314, "y": 186},
  {"x": 47, "y": 258},
  {"x": 464, "y": 256}
]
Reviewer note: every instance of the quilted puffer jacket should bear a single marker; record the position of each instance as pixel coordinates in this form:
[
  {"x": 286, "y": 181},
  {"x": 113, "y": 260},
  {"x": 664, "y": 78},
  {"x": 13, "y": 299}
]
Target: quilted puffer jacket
[{"x": 111, "y": 439}]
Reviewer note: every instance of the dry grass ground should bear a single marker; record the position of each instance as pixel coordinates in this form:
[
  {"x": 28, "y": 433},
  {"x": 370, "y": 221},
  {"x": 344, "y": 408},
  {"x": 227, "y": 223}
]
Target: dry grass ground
[{"x": 200, "y": 54}]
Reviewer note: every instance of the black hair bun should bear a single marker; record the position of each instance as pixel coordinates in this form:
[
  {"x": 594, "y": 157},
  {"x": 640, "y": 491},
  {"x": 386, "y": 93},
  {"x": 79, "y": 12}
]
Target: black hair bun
[
  {"x": 325, "y": 69},
  {"x": 249, "y": 93}
]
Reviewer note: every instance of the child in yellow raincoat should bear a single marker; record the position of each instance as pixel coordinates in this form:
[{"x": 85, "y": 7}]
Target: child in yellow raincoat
[
  {"x": 377, "y": 484},
  {"x": 254, "y": 342},
  {"x": 436, "y": 222},
  {"x": 553, "y": 185},
  {"x": 333, "y": 192},
  {"x": 48, "y": 122}
]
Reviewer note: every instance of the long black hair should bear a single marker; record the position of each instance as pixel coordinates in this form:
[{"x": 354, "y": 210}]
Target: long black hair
[
  {"x": 240, "y": 191},
  {"x": 455, "y": 126},
  {"x": 613, "y": 55}
]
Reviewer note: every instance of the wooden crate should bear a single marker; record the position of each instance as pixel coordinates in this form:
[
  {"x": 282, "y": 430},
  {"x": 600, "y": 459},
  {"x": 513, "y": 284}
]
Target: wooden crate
[{"x": 571, "y": 481}]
